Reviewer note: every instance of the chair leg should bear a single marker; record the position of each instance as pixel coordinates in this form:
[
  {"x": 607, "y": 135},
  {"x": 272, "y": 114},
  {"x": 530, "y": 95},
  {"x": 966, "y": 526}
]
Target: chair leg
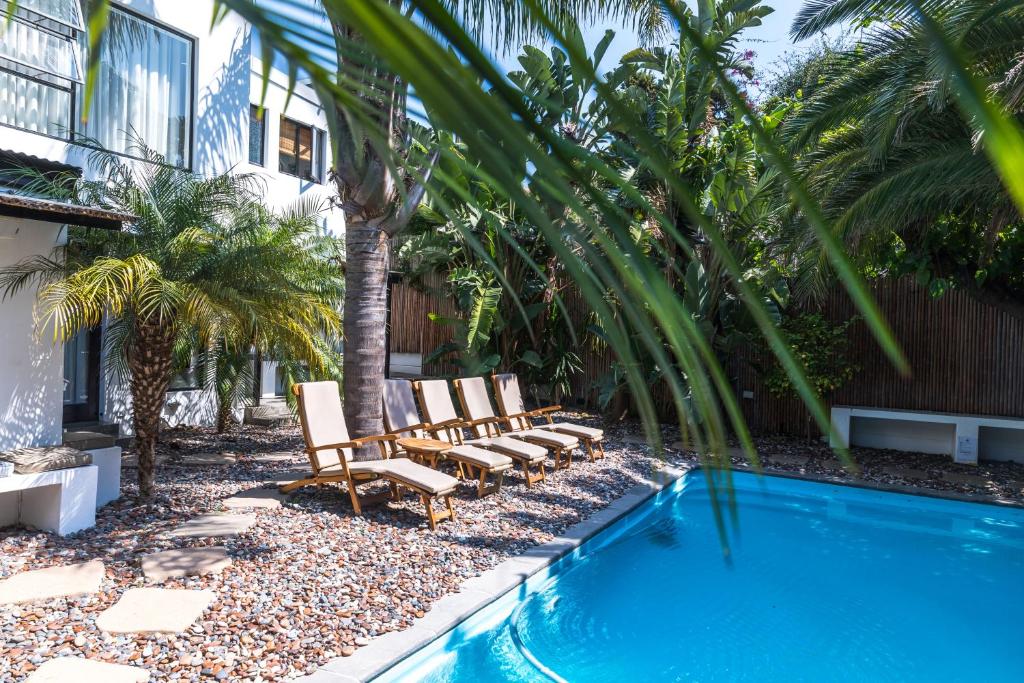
[
  {"x": 291, "y": 486},
  {"x": 432, "y": 517},
  {"x": 600, "y": 445},
  {"x": 483, "y": 489},
  {"x": 590, "y": 450},
  {"x": 355, "y": 498}
]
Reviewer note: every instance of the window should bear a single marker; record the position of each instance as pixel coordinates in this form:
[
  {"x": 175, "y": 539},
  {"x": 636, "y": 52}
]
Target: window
[
  {"x": 296, "y": 149},
  {"x": 39, "y": 64},
  {"x": 257, "y": 134},
  {"x": 319, "y": 154},
  {"x": 143, "y": 91}
]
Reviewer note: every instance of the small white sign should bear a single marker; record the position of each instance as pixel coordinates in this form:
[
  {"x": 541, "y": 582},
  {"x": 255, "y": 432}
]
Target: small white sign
[{"x": 966, "y": 450}]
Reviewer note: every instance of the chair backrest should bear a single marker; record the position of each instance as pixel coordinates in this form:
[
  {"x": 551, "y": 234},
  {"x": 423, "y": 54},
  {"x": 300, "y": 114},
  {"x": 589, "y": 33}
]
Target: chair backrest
[
  {"x": 437, "y": 406},
  {"x": 510, "y": 399},
  {"x": 436, "y": 401},
  {"x": 476, "y": 404},
  {"x": 400, "y": 408},
  {"x": 323, "y": 422}
]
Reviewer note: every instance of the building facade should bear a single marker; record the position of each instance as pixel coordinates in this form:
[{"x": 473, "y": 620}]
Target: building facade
[{"x": 190, "y": 92}]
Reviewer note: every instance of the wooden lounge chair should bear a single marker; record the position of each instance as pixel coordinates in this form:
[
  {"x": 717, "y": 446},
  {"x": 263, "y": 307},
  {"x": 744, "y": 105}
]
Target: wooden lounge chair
[
  {"x": 439, "y": 409},
  {"x": 510, "y": 403},
  {"x": 402, "y": 419},
  {"x": 330, "y": 454},
  {"x": 476, "y": 405}
]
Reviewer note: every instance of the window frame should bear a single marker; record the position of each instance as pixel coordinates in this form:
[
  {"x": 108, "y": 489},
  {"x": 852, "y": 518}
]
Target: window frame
[
  {"x": 253, "y": 110},
  {"x": 313, "y": 130},
  {"x": 193, "y": 82}
]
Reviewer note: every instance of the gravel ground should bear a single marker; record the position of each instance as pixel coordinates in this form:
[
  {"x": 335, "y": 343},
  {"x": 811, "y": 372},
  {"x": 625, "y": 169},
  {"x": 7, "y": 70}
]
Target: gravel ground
[{"x": 310, "y": 581}]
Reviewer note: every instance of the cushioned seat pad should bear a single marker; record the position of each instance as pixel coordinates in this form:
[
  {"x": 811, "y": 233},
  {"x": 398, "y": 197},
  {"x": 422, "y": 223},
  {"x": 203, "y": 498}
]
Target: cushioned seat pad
[
  {"x": 545, "y": 436},
  {"x": 405, "y": 471},
  {"x": 589, "y": 433},
  {"x": 46, "y": 459},
  {"x": 495, "y": 462},
  {"x": 518, "y": 449}
]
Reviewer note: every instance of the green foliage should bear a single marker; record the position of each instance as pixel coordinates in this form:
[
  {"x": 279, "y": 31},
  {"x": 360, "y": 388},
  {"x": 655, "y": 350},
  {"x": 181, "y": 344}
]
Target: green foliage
[
  {"x": 892, "y": 144},
  {"x": 822, "y": 347}
]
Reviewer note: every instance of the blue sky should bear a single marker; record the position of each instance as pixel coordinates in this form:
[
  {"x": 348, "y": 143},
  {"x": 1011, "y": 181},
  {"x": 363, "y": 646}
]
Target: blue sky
[{"x": 770, "y": 40}]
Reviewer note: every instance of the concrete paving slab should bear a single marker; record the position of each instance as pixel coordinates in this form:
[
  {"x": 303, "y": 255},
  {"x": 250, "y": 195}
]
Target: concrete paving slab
[
  {"x": 255, "y": 498},
  {"x": 52, "y": 582},
  {"x": 80, "y": 670},
  {"x": 213, "y": 526},
  {"x": 154, "y": 610},
  {"x": 185, "y": 562}
]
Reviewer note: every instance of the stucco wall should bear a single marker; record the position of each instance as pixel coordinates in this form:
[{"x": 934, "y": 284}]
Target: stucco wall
[{"x": 31, "y": 365}]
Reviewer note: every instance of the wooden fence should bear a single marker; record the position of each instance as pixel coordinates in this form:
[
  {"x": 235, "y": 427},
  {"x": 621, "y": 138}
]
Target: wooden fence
[{"x": 965, "y": 357}]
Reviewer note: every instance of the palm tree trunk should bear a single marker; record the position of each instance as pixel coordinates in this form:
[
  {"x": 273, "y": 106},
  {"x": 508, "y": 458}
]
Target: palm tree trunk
[
  {"x": 224, "y": 417},
  {"x": 368, "y": 255},
  {"x": 151, "y": 361}
]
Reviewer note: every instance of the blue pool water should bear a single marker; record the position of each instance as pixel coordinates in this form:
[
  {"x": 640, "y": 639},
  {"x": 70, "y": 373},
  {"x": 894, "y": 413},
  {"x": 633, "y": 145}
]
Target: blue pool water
[{"x": 826, "y": 583}]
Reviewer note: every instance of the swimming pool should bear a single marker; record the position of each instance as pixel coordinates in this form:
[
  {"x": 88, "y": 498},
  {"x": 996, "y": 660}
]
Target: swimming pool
[{"x": 826, "y": 583}]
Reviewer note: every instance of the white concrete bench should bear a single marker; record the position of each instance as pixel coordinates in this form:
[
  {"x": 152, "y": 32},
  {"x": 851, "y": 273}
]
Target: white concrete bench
[
  {"x": 108, "y": 460},
  {"x": 965, "y": 437},
  {"x": 63, "y": 501}
]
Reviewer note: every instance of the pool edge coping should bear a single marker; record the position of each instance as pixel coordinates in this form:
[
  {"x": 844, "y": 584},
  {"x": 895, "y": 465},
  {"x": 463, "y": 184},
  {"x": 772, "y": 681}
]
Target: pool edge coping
[{"x": 476, "y": 593}]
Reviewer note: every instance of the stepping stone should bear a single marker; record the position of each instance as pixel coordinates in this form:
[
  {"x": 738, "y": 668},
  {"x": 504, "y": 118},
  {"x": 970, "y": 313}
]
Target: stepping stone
[
  {"x": 185, "y": 562},
  {"x": 154, "y": 610},
  {"x": 279, "y": 456},
  {"x": 207, "y": 459},
  {"x": 52, "y": 582},
  {"x": 255, "y": 498},
  {"x": 212, "y": 526},
  {"x": 906, "y": 473},
  {"x": 81, "y": 670},
  {"x": 969, "y": 479}
]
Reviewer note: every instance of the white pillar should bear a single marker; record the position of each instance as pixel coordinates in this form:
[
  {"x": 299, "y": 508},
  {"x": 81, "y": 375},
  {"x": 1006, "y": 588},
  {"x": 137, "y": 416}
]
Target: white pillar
[
  {"x": 966, "y": 445},
  {"x": 840, "y": 436}
]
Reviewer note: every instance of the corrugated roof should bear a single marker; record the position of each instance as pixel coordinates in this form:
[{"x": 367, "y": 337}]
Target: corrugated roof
[{"x": 31, "y": 208}]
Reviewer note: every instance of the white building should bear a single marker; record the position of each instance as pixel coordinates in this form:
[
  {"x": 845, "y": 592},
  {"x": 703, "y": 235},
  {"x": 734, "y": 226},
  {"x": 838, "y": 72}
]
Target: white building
[{"x": 189, "y": 92}]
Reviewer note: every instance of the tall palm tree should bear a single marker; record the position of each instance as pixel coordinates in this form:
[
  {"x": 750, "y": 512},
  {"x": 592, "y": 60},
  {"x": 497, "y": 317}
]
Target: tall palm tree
[
  {"x": 380, "y": 172},
  {"x": 183, "y": 269},
  {"x": 895, "y": 158}
]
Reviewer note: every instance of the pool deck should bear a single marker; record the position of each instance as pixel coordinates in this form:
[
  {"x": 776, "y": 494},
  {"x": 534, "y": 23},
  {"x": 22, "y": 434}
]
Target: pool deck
[{"x": 388, "y": 650}]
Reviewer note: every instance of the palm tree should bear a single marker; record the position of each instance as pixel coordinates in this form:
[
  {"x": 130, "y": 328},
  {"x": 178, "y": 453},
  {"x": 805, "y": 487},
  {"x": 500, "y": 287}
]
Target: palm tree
[
  {"x": 183, "y": 270},
  {"x": 898, "y": 163},
  {"x": 380, "y": 172}
]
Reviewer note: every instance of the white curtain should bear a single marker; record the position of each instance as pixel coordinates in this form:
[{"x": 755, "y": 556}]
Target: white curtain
[
  {"x": 142, "y": 91},
  {"x": 29, "y": 103}
]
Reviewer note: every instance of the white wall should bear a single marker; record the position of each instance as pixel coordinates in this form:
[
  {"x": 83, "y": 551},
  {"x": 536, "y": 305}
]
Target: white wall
[
  {"x": 31, "y": 365},
  {"x": 283, "y": 189}
]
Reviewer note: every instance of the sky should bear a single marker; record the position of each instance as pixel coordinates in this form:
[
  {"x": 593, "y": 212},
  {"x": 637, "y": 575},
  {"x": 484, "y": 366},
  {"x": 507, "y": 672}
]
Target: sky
[{"x": 770, "y": 40}]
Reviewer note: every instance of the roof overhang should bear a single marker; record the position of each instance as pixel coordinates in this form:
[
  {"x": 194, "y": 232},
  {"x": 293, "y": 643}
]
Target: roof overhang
[{"x": 31, "y": 208}]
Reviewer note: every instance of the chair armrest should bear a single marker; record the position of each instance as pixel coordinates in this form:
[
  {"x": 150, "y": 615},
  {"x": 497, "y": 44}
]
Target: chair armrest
[
  {"x": 484, "y": 420},
  {"x": 454, "y": 422},
  {"x": 333, "y": 446},
  {"x": 547, "y": 409},
  {"x": 373, "y": 439}
]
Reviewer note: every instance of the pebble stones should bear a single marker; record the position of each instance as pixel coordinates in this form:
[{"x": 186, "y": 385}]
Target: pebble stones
[
  {"x": 154, "y": 610},
  {"x": 185, "y": 562},
  {"x": 213, "y": 526},
  {"x": 52, "y": 582},
  {"x": 80, "y": 670}
]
